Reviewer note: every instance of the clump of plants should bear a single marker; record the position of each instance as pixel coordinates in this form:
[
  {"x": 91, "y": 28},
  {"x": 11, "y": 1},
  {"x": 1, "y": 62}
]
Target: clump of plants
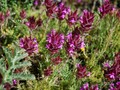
[{"x": 55, "y": 45}]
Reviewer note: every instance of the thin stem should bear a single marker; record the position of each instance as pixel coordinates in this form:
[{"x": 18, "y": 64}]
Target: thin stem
[{"x": 93, "y": 8}]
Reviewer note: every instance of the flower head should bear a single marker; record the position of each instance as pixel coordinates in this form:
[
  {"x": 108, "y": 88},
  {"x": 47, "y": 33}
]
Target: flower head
[
  {"x": 55, "y": 41},
  {"x": 36, "y": 2},
  {"x": 94, "y": 87},
  {"x": 72, "y": 18},
  {"x": 56, "y": 60},
  {"x": 114, "y": 86},
  {"x": 81, "y": 71},
  {"x": 48, "y": 71},
  {"x": 106, "y": 8},
  {"x": 86, "y": 20},
  {"x": 29, "y": 44},
  {"x": 113, "y": 72},
  {"x": 62, "y": 11},
  {"x": 2, "y": 17},
  {"x": 39, "y": 22},
  {"x": 14, "y": 82},
  {"x": 106, "y": 64},
  {"x": 23, "y": 14},
  {"x": 51, "y": 8},
  {"x": 31, "y": 23},
  {"x": 85, "y": 86},
  {"x": 7, "y": 14},
  {"x": 118, "y": 14},
  {"x": 7, "y": 86},
  {"x": 73, "y": 42}
]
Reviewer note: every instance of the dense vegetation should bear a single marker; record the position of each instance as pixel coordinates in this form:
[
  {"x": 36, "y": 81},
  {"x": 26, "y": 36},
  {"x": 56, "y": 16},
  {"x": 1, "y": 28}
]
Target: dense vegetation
[{"x": 59, "y": 45}]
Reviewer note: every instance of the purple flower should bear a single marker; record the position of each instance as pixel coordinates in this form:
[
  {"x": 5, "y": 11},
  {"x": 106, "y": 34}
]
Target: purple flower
[
  {"x": 85, "y": 86},
  {"x": 2, "y": 17},
  {"x": 7, "y": 86},
  {"x": 31, "y": 23},
  {"x": 106, "y": 8},
  {"x": 113, "y": 72},
  {"x": 86, "y": 20},
  {"x": 111, "y": 86},
  {"x": 118, "y": 85},
  {"x": 23, "y": 14},
  {"x": 62, "y": 11},
  {"x": 7, "y": 14},
  {"x": 114, "y": 86},
  {"x": 29, "y": 44},
  {"x": 1, "y": 77},
  {"x": 55, "y": 41},
  {"x": 56, "y": 60},
  {"x": 94, "y": 87},
  {"x": 78, "y": 1},
  {"x": 81, "y": 71},
  {"x": 48, "y": 71},
  {"x": 51, "y": 8},
  {"x": 118, "y": 14},
  {"x": 73, "y": 42},
  {"x": 36, "y": 2},
  {"x": 14, "y": 82},
  {"x": 39, "y": 22},
  {"x": 48, "y": 3},
  {"x": 106, "y": 64},
  {"x": 72, "y": 18}
]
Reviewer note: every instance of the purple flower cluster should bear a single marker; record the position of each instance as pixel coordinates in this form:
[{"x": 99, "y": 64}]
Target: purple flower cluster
[
  {"x": 72, "y": 18},
  {"x": 56, "y": 60},
  {"x": 86, "y": 20},
  {"x": 51, "y": 8},
  {"x": 74, "y": 42},
  {"x": 2, "y": 17},
  {"x": 32, "y": 23},
  {"x": 14, "y": 82},
  {"x": 113, "y": 72},
  {"x": 86, "y": 87},
  {"x": 29, "y": 44},
  {"x": 23, "y": 14},
  {"x": 118, "y": 14},
  {"x": 106, "y": 8},
  {"x": 115, "y": 86},
  {"x": 62, "y": 11},
  {"x": 55, "y": 41},
  {"x": 81, "y": 71},
  {"x": 48, "y": 71},
  {"x": 7, "y": 14},
  {"x": 36, "y": 2}
]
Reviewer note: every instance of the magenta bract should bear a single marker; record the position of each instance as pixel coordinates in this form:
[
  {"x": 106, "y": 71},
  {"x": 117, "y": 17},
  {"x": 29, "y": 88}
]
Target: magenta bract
[
  {"x": 31, "y": 23},
  {"x": 72, "y": 18},
  {"x": 74, "y": 42},
  {"x": 106, "y": 8},
  {"x": 29, "y": 44},
  {"x": 55, "y": 41},
  {"x": 23, "y": 14},
  {"x": 56, "y": 60},
  {"x": 113, "y": 72},
  {"x": 62, "y": 11},
  {"x": 81, "y": 71},
  {"x": 2, "y": 17},
  {"x": 86, "y": 20},
  {"x": 48, "y": 71}
]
